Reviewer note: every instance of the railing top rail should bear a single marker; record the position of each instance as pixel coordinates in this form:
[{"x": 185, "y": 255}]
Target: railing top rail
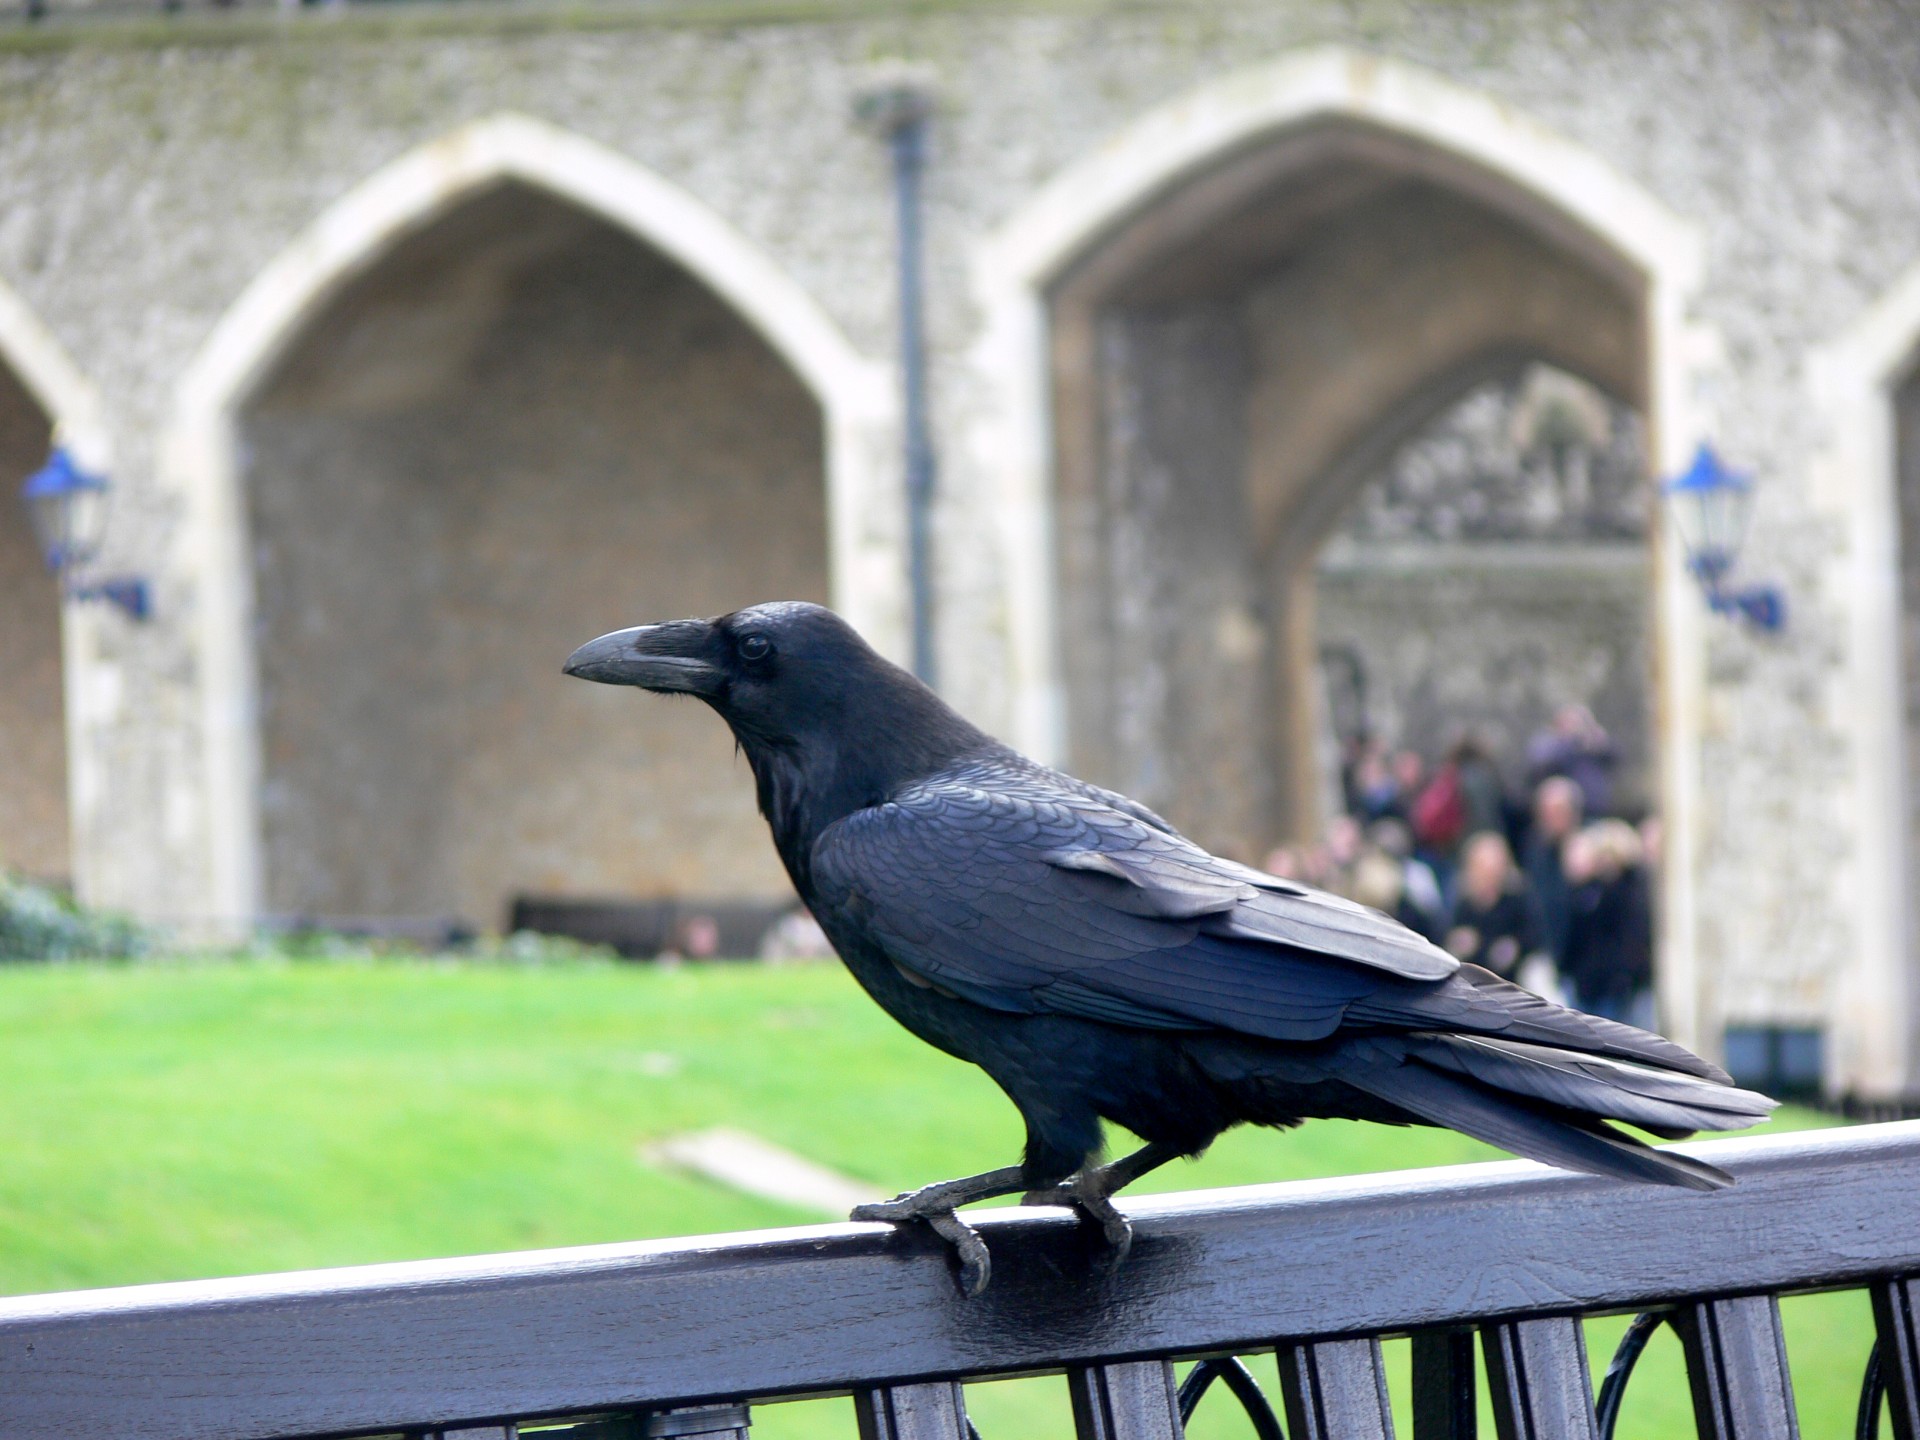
[{"x": 825, "y": 1308}]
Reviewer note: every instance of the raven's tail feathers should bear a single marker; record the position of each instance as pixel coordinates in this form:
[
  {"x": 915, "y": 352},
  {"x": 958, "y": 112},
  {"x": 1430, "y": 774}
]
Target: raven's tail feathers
[{"x": 1553, "y": 1105}]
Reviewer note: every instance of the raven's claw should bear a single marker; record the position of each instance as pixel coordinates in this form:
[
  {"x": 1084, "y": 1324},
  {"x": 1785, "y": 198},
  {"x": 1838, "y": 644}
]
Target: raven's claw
[
  {"x": 976, "y": 1265},
  {"x": 1091, "y": 1205}
]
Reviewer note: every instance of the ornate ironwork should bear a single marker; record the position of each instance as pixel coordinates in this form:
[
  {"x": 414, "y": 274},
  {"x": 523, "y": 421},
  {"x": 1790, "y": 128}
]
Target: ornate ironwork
[
  {"x": 1246, "y": 1389},
  {"x": 1626, "y": 1355},
  {"x": 1873, "y": 1394}
]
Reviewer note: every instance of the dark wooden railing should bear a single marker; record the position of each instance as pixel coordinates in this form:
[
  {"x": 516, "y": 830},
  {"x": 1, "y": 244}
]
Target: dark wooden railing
[{"x": 676, "y": 1338}]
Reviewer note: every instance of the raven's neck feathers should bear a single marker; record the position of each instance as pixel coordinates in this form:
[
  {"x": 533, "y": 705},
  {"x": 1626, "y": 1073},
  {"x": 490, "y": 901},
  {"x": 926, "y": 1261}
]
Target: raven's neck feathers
[{"x": 866, "y": 743}]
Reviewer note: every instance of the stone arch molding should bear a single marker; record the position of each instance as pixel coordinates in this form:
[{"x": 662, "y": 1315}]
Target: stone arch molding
[
  {"x": 865, "y": 528},
  {"x": 73, "y": 404},
  {"x": 1587, "y": 205},
  {"x": 29, "y": 349},
  {"x": 1854, "y": 379}
]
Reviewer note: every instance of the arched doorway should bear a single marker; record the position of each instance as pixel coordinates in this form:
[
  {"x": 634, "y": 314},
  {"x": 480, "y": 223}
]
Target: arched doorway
[
  {"x": 291, "y": 299},
  {"x": 519, "y": 426},
  {"x": 34, "y": 834},
  {"x": 1233, "y": 364},
  {"x": 1493, "y": 572},
  {"x": 1865, "y": 387},
  {"x": 1217, "y": 148}
]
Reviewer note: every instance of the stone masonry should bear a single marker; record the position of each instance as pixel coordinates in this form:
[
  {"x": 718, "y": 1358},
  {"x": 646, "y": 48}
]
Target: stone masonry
[{"x": 501, "y": 429}]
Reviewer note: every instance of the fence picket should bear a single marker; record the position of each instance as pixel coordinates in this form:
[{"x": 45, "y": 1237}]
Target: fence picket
[
  {"x": 1538, "y": 1380},
  {"x": 935, "y": 1411},
  {"x": 1443, "y": 1391},
  {"x": 1135, "y": 1400},
  {"x": 1737, "y": 1368},
  {"x": 1335, "y": 1390}
]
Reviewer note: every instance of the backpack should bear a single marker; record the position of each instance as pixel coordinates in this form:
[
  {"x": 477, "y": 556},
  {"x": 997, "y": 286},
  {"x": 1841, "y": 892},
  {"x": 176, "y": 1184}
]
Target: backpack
[{"x": 1440, "y": 811}]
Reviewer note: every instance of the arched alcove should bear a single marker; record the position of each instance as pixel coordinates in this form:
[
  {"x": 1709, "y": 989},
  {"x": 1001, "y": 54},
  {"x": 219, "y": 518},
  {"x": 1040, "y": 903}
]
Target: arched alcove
[
  {"x": 34, "y": 831},
  {"x": 519, "y": 427},
  {"x": 441, "y": 193},
  {"x": 1865, "y": 386},
  {"x": 1231, "y": 363},
  {"x": 1563, "y": 197},
  {"x": 1493, "y": 570},
  {"x": 43, "y": 395}
]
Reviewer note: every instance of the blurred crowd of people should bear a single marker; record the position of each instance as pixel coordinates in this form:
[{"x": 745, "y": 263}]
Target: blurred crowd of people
[{"x": 1540, "y": 882}]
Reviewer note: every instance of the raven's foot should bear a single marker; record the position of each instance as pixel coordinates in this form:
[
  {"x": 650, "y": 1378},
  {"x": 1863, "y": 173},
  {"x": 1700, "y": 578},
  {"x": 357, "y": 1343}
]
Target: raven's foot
[
  {"x": 976, "y": 1264},
  {"x": 1090, "y": 1192},
  {"x": 934, "y": 1206},
  {"x": 1083, "y": 1195}
]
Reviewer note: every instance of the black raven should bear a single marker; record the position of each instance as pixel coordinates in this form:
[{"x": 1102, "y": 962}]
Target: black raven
[{"x": 1100, "y": 966}]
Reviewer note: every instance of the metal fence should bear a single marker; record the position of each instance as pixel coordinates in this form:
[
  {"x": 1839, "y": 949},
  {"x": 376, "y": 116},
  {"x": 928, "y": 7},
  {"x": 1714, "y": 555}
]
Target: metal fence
[{"x": 677, "y": 1338}]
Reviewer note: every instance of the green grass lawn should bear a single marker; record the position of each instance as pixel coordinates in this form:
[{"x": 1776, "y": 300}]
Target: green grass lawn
[{"x": 176, "y": 1121}]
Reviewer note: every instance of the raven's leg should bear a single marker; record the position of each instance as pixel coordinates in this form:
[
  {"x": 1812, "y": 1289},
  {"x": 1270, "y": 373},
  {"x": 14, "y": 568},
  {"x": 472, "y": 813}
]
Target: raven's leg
[
  {"x": 1090, "y": 1190},
  {"x": 935, "y": 1205}
]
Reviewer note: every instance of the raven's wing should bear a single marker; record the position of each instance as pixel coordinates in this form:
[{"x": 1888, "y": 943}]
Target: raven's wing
[
  {"x": 1027, "y": 897},
  {"x": 1027, "y": 901}
]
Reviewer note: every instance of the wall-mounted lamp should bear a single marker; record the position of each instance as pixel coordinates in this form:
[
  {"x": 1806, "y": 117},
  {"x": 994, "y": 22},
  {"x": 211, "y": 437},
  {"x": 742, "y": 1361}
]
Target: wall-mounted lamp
[
  {"x": 1711, "y": 506},
  {"x": 68, "y": 508}
]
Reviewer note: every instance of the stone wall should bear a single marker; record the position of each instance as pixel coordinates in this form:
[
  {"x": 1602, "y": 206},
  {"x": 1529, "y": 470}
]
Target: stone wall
[
  {"x": 148, "y": 175},
  {"x": 1169, "y": 695}
]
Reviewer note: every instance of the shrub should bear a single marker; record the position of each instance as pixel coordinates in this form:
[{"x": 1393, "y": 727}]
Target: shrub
[{"x": 39, "y": 923}]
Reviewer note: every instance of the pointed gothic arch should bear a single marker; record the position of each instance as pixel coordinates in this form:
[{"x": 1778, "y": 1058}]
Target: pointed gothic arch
[
  {"x": 1478, "y": 147},
  {"x": 201, "y": 454},
  {"x": 41, "y": 376},
  {"x": 1865, "y": 386}
]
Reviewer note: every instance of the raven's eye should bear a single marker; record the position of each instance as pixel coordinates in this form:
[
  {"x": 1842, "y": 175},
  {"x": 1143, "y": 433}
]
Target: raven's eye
[{"x": 755, "y": 647}]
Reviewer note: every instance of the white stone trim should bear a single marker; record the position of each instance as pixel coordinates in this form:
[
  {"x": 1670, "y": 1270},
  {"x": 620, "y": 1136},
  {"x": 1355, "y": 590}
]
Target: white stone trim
[
  {"x": 856, "y": 397},
  {"x": 1012, "y": 440},
  {"x": 73, "y": 404},
  {"x": 50, "y": 376},
  {"x": 1854, "y": 379}
]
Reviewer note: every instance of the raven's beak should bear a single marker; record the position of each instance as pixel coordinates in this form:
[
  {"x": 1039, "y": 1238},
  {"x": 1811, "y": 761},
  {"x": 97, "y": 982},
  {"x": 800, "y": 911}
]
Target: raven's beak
[{"x": 676, "y": 658}]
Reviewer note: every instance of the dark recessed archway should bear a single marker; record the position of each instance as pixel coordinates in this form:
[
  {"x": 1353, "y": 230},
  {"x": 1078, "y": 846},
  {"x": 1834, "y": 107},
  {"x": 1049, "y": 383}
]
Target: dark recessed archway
[
  {"x": 520, "y": 427},
  {"x": 33, "y": 780},
  {"x": 1489, "y": 569},
  {"x": 1906, "y": 474},
  {"x": 1230, "y": 364}
]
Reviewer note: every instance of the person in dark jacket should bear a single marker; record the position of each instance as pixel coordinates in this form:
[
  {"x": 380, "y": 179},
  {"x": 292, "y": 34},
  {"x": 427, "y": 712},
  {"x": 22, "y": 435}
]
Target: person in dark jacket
[
  {"x": 1492, "y": 921},
  {"x": 1609, "y": 963},
  {"x": 1577, "y": 746},
  {"x": 1556, "y": 816}
]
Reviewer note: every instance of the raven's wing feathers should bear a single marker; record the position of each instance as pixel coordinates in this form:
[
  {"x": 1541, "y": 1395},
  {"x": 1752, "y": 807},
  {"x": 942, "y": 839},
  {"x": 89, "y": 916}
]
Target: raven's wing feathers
[
  {"x": 1029, "y": 896},
  {"x": 1171, "y": 877},
  {"x": 1025, "y": 892},
  {"x": 1029, "y": 901}
]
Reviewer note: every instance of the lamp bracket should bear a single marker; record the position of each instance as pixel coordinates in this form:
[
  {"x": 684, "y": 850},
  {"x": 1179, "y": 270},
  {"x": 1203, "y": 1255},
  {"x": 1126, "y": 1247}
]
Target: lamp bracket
[{"x": 129, "y": 594}]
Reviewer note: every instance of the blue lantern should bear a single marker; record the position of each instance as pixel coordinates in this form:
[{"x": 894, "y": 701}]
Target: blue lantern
[
  {"x": 68, "y": 509},
  {"x": 1711, "y": 508}
]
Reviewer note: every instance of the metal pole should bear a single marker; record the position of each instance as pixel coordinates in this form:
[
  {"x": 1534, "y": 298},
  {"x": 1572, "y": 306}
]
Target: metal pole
[{"x": 905, "y": 113}]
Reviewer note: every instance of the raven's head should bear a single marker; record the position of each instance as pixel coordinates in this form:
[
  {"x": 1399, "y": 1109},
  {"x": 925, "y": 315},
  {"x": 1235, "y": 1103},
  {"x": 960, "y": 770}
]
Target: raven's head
[
  {"x": 821, "y": 715},
  {"x": 772, "y": 671}
]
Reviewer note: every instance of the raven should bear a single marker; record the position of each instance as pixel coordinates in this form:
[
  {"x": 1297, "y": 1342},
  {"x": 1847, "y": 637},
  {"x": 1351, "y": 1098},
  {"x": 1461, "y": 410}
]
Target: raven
[{"x": 1100, "y": 966}]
